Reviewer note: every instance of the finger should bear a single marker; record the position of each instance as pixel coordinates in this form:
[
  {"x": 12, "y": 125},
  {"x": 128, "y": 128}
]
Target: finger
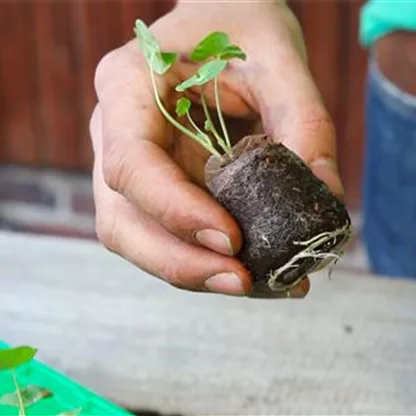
[
  {"x": 143, "y": 242},
  {"x": 139, "y": 239},
  {"x": 136, "y": 164},
  {"x": 292, "y": 110},
  {"x": 301, "y": 290}
]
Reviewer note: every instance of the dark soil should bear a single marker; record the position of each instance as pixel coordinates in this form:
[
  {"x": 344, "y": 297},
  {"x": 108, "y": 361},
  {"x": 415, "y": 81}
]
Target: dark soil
[{"x": 277, "y": 201}]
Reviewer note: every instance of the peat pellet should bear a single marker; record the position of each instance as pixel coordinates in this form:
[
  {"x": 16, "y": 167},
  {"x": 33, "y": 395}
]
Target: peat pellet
[{"x": 291, "y": 222}]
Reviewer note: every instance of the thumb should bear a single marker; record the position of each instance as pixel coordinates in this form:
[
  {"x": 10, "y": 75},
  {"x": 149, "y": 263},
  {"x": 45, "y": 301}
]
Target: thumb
[{"x": 293, "y": 112}]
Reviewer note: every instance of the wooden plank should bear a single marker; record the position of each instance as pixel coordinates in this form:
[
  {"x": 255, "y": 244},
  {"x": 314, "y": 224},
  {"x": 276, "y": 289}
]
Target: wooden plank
[
  {"x": 321, "y": 22},
  {"x": 99, "y": 30},
  {"x": 18, "y": 96},
  {"x": 352, "y": 139},
  {"x": 349, "y": 348},
  {"x": 58, "y": 67}
]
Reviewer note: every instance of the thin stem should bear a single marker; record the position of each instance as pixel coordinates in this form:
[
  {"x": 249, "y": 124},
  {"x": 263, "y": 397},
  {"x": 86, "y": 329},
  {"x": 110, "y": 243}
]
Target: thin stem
[
  {"x": 22, "y": 411},
  {"x": 219, "y": 139},
  {"x": 179, "y": 126},
  {"x": 219, "y": 112},
  {"x": 197, "y": 128}
]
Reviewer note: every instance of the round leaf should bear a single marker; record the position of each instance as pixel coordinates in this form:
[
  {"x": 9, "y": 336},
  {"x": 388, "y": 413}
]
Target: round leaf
[
  {"x": 210, "y": 46},
  {"x": 182, "y": 106},
  {"x": 13, "y": 357},
  {"x": 232, "y": 51},
  {"x": 159, "y": 62},
  {"x": 207, "y": 125},
  {"x": 205, "y": 73}
]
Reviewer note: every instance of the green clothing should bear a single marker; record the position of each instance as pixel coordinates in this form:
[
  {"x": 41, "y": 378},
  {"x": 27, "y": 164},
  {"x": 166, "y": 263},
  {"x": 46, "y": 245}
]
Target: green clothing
[{"x": 380, "y": 17}]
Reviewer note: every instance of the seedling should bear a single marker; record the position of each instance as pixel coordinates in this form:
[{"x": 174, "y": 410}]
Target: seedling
[
  {"x": 24, "y": 397},
  {"x": 216, "y": 51},
  {"x": 291, "y": 222}
]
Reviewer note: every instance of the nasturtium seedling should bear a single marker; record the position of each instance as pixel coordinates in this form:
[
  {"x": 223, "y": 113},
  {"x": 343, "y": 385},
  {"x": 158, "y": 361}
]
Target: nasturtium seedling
[
  {"x": 216, "y": 50},
  {"x": 24, "y": 396},
  {"x": 290, "y": 227}
]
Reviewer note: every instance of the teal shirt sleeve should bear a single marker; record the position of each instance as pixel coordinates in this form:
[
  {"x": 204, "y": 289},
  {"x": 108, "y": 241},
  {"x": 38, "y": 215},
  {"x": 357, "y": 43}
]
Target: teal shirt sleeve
[{"x": 380, "y": 17}]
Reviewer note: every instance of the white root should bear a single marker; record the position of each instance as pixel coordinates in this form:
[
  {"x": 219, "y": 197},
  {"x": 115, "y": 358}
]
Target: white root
[{"x": 310, "y": 252}]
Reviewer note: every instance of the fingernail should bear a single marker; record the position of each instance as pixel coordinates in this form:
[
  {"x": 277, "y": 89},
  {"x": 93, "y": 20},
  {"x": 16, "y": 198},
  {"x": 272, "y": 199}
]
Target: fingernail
[
  {"x": 326, "y": 170},
  {"x": 215, "y": 240},
  {"x": 226, "y": 283}
]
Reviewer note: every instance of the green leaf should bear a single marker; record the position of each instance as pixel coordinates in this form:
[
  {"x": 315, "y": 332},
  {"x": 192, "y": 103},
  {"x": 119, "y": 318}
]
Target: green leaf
[
  {"x": 205, "y": 73},
  {"x": 168, "y": 58},
  {"x": 14, "y": 357},
  {"x": 182, "y": 106},
  {"x": 207, "y": 125},
  {"x": 74, "y": 412},
  {"x": 158, "y": 61},
  {"x": 30, "y": 395},
  {"x": 210, "y": 46},
  {"x": 232, "y": 51}
]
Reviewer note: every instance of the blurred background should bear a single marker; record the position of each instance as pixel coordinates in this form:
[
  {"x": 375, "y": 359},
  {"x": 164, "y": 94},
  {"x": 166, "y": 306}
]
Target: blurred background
[{"x": 49, "y": 51}]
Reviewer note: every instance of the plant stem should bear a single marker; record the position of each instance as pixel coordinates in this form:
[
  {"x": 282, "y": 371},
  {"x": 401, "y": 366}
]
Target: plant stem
[
  {"x": 22, "y": 411},
  {"x": 179, "y": 126},
  {"x": 219, "y": 112},
  {"x": 219, "y": 139},
  {"x": 200, "y": 132}
]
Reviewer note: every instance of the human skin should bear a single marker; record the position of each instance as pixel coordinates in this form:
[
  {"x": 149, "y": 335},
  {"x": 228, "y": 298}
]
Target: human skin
[
  {"x": 396, "y": 57},
  {"x": 152, "y": 205}
]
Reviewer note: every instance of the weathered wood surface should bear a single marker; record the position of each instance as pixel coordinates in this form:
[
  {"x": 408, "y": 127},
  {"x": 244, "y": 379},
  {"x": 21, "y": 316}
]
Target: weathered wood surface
[{"x": 349, "y": 348}]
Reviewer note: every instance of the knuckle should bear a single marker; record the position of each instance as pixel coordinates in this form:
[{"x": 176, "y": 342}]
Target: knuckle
[
  {"x": 104, "y": 68},
  {"x": 168, "y": 213},
  {"x": 115, "y": 167},
  {"x": 105, "y": 226},
  {"x": 172, "y": 273},
  {"x": 320, "y": 135},
  {"x": 177, "y": 272},
  {"x": 177, "y": 220}
]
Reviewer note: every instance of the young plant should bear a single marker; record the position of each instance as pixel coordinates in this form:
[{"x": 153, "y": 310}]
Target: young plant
[
  {"x": 216, "y": 51},
  {"x": 292, "y": 224},
  {"x": 24, "y": 397}
]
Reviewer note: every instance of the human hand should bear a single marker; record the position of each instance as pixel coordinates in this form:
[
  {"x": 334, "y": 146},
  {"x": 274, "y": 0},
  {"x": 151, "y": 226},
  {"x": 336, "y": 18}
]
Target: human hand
[{"x": 152, "y": 207}]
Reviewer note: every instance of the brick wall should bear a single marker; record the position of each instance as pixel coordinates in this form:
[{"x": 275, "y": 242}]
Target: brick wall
[{"x": 45, "y": 201}]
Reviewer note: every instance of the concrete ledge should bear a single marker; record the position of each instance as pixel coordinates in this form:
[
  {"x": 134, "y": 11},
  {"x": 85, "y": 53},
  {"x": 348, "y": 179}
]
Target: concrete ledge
[{"x": 349, "y": 348}]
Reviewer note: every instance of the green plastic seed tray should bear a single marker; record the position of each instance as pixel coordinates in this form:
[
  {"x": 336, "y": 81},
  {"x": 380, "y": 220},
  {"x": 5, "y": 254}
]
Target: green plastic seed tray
[{"x": 68, "y": 396}]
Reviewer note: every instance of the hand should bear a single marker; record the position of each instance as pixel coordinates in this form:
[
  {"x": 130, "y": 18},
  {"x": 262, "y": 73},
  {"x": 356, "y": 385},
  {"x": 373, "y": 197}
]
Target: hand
[{"x": 152, "y": 207}]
